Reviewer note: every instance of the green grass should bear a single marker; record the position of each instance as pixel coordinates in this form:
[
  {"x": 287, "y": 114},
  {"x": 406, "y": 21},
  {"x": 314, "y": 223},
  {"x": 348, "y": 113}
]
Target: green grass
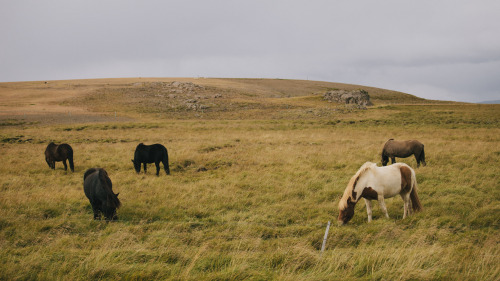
[{"x": 250, "y": 199}]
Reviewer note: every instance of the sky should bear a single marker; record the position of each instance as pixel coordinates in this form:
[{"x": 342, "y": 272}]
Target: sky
[{"x": 445, "y": 50}]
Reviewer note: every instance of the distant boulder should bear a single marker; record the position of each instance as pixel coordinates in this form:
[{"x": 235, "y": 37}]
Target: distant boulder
[{"x": 359, "y": 98}]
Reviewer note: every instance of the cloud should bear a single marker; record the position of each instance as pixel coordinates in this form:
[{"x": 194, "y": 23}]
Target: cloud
[{"x": 447, "y": 48}]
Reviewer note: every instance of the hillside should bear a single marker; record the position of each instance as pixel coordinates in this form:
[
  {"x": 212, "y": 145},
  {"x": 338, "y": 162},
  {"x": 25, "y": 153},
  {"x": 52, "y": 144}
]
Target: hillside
[
  {"x": 491, "y": 102},
  {"x": 184, "y": 98}
]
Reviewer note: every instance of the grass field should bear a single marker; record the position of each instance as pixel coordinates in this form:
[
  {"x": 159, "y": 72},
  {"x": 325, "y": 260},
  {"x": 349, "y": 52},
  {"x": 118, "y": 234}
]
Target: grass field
[{"x": 256, "y": 176}]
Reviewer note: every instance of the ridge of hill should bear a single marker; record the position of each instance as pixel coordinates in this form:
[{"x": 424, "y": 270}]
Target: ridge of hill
[
  {"x": 490, "y": 102},
  {"x": 184, "y": 98}
]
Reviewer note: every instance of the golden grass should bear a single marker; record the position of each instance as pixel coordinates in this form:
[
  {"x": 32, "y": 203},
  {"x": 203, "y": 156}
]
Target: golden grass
[{"x": 260, "y": 209}]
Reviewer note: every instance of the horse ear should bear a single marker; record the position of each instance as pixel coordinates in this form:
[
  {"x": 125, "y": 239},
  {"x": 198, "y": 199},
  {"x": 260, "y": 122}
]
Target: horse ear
[
  {"x": 132, "y": 160},
  {"x": 117, "y": 194}
]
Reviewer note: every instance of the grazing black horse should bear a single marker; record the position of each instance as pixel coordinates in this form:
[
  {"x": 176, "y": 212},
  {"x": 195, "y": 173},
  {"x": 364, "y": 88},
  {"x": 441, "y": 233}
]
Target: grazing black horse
[
  {"x": 98, "y": 189},
  {"x": 403, "y": 149},
  {"x": 60, "y": 152},
  {"x": 154, "y": 153}
]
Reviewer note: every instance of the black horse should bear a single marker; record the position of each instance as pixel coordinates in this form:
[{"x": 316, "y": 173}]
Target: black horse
[
  {"x": 403, "y": 149},
  {"x": 98, "y": 189},
  {"x": 154, "y": 153},
  {"x": 61, "y": 152}
]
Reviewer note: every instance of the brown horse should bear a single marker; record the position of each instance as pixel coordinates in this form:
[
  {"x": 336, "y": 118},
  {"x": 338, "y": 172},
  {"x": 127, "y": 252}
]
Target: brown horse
[
  {"x": 61, "y": 152},
  {"x": 403, "y": 149}
]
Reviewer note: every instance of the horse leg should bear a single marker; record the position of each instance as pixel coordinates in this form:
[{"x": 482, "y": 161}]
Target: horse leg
[
  {"x": 381, "y": 202},
  {"x": 157, "y": 164},
  {"x": 410, "y": 210},
  {"x": 145, "y": 167},
  {"x": 368, "y": 209},
  {"x": 393, "y": 160},
  {"x": 417, "y": 157},
  {"x": 407, "y": 207},
  {"x": 53, "y": 164},
  {"x": 65, "y": 165}
]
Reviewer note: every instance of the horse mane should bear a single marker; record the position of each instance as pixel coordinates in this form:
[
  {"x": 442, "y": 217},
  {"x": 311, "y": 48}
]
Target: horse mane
[
  {"x": 108, "y": 186},
  {"x": 352, "y": 184}
]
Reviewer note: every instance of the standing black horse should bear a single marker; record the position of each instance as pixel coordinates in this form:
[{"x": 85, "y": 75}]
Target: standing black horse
[
  {"x": 154, "y": 153},
  {"x": 61, "y": 152},
  {"x": 98, "y": 189},
  {"x": 403, "y": 149}
]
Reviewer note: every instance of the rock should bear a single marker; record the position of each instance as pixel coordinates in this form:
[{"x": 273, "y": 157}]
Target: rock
[{"x": 360, "y": 98}]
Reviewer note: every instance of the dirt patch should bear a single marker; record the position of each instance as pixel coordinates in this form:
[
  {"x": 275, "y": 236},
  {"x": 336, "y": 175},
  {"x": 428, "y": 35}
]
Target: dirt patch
[{"x": 57, "y": 118}]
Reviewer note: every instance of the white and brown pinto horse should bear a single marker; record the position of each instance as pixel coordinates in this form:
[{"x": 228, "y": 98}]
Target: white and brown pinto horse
[{"x": 377, "y": 183}]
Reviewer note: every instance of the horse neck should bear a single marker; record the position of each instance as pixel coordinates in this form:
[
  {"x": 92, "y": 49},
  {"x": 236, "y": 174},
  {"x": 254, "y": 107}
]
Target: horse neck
[
  {"x": 350, "y": 193},
  {"x": 364, "y": 180}
]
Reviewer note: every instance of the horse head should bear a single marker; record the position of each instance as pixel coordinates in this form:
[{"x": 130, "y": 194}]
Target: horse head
[
  {"x": 137, "y": 166},
  {"x": 110, "y": 214},
  {"x": 385, "y": 160},
  {"x": 109, "y": 208},
  {"x": 346, "y": 212}
]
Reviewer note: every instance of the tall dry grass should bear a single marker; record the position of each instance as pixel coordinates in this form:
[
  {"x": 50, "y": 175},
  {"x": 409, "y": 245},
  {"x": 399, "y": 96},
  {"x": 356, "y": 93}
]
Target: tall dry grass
[{"x": 250, "y": 199}]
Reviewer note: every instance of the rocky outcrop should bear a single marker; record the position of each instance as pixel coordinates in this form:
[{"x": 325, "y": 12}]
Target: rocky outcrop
[
  {"x": 359, "y": 98},
  {"x": 177, "y": 95}
]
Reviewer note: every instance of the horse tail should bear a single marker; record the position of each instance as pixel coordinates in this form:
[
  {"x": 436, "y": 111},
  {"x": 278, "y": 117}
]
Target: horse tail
[
  {"x": 70, "y": 158},
  {"x": 422, "y": 155},
  {"x": 108, "y": 186},
  {"x": 415, "y": 201},
  {"x": 165, "y": 160}
]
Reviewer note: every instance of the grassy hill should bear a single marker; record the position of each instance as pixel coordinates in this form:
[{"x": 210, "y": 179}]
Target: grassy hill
[
  {"x": 186, "y": 98},
  {"x": 256, "y": 176}
]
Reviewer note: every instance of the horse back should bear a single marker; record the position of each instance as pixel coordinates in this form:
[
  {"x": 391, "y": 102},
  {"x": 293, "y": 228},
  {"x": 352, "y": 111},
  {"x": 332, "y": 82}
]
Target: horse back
[
  {"x": 162, "y": 152},
  {"x": 89, "y": 172},
  {"x": 386, "y": 180},
  {"x": 415, "y": 145},
  {"x": 64, "y": 150},
  {"x": 91, "y": 184}
]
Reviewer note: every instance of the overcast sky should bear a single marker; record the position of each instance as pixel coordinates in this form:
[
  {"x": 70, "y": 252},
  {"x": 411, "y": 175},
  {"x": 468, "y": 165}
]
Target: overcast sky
[{"x": 448, "y": 50}]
